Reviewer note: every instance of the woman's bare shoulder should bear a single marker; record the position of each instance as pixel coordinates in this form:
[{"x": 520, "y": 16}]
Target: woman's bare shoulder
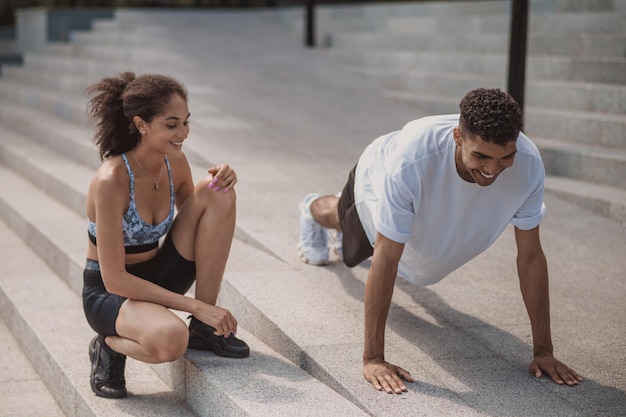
[{"x": 111, "y": 175}]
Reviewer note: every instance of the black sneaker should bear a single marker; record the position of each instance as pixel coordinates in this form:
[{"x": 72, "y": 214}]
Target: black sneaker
[
  {"x": 201, "y": 337},
  {"x": 107, "y": 370}
]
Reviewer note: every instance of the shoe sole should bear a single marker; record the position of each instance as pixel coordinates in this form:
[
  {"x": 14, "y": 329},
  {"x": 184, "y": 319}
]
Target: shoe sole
[
  {"x": 306, "y": 260},
  {"x": 217, "y": 351}
]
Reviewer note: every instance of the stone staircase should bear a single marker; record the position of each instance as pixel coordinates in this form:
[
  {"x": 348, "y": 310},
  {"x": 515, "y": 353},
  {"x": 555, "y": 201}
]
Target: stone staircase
[
  {"x": 46, "y": 162},
  {"x": 430, "y": 54},
  {"x": 303, "y": 324}
]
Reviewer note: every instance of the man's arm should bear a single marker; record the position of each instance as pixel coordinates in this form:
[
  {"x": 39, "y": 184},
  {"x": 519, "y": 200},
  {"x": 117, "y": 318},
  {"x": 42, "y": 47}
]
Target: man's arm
[
  {"x": 378, "y": 293},
  {"x": 533, "y": 275}
]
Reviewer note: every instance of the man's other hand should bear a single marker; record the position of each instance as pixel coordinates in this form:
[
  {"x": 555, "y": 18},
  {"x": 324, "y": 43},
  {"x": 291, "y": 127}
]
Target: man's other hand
[
  {"x": 386, "y": 377},
  {"x": 558, "y": 371}
]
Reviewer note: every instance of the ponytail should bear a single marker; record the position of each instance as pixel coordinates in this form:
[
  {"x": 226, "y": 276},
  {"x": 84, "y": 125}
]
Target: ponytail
[{"x": 106, "y": 109}]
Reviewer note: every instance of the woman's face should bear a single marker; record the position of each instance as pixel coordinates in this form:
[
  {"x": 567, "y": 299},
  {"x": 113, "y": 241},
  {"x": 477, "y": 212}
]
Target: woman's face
[{"x": 168, "y": 130}]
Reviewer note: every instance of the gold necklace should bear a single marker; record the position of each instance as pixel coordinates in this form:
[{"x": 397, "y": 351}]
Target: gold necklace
[{"x": 155, "y": 180}]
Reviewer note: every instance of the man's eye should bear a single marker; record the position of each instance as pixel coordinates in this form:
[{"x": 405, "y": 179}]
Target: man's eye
[{"x": 171, "y": 126}]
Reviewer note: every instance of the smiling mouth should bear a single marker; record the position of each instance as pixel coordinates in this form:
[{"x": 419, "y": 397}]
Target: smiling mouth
[
  {"x": 176, "y": 143},
  {"x": 487, "y": 175}
]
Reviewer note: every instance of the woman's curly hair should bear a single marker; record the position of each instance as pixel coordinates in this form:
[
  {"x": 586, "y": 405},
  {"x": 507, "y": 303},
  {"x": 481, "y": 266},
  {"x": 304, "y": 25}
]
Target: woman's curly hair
[
  {"x": 117, "y": 100},
  {"x": 491, "y": 114}
]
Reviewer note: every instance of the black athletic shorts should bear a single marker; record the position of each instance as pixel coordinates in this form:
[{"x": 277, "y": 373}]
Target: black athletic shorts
[
  {"x": 167, "y": 269},
  {"x": 356, "y": 246}
]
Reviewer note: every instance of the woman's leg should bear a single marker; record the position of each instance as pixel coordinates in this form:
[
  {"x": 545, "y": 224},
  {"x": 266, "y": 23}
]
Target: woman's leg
[
  {"x": 203, "y": 232},
  {"x": 149, "y": 333}
]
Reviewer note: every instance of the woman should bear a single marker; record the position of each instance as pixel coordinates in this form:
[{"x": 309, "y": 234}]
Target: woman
[{"x": 130, "y": 282}]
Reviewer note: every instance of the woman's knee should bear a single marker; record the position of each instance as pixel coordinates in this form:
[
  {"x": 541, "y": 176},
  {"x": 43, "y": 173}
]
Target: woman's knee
[
  {"x": 167, "y": 341},
  {"x": 223, "y": 200}
]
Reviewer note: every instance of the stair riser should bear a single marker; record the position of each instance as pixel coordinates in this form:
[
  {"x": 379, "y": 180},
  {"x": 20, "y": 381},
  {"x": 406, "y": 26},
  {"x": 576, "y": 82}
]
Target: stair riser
[
  {"x": 47, "y": 366},
  {"x": 57, "y": 106},
  {"x": 539, "y": 123},
  {"x": 49, "y": 80},
  {"x": 538, "y": 68},
  {"x": 581, "y": 97},
  {"x": 83, "y": 152},
  {"x": 585, "y": 167},
  {"x": 611, "y": 210},
  {"x": 85, "y": 68},
  {"x": 575, "y": 128},
  {"x": 588, "y": 46}
]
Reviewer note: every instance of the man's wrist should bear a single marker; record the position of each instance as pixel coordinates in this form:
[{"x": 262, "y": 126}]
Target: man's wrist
[{"x": 367, "y": 358}]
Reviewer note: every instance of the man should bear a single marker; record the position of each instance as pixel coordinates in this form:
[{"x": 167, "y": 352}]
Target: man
[{"x": 426, "y": 199}]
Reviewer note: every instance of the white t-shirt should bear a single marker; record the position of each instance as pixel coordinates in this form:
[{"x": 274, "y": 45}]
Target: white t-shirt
[{"x": 408, "y": 189}]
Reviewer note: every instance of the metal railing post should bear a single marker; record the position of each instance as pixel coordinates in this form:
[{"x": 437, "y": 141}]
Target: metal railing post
[
  {"x": 309, "y": 24},
  {"x": 517, "y": 51}
]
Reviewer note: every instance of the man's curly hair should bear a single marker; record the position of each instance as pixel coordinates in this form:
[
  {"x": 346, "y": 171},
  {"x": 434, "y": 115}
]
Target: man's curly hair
[{"x": 491, "y": 114}]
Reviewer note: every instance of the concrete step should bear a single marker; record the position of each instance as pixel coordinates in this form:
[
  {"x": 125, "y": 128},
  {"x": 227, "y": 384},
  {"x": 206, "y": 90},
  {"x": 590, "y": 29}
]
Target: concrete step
[
  {"x": 128, "y": 52},
  {"x": 583, "y": 127},
  {"x": 549, "y": 24},
  {"x": 64, "y": 64},
  {"x": 206, "y": 383},
  {"x": 606, "y": 201},
  {"x": 577, "y": 126},
  {"x": 544, "y": 67},
  {"x": 590, "y": 45},
  {"x": 46, "y": 316},
  {"x": 138, "y": 37},
  {"x": 603, "y": 166},
  {"x": 68, "y": 83},
  {"x": 62, "y": 105},
  {"x": 66, "y": 138},
  {"x": 565, "y": 95},
  {"x": 22, "y": 392}
]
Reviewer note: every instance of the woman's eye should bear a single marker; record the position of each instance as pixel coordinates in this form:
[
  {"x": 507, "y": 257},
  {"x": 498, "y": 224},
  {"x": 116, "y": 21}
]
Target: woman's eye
[{"x": 171, "y": 126}]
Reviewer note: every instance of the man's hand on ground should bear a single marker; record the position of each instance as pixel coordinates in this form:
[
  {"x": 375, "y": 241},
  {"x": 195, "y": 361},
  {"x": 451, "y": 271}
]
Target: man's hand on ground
[
  {"x": 385, "y": 376},
  {"x": 558, "y": 371}
]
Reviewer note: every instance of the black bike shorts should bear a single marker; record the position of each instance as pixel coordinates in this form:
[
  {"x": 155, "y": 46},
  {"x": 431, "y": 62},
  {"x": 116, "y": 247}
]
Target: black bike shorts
[{"x": 167, "y": 269}]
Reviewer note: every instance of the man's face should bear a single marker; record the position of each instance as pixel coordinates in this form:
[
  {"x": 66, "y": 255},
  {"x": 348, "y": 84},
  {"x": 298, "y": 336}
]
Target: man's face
[{"x": 479, "y": 161}]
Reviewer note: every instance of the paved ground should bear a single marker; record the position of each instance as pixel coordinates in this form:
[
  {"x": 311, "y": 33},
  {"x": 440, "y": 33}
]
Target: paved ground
[{"x": 291, "y": 121}]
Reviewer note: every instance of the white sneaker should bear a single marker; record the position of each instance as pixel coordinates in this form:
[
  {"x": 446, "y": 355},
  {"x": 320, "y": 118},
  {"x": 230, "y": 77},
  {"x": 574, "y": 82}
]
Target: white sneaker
[{"x": 313, "y": 245}]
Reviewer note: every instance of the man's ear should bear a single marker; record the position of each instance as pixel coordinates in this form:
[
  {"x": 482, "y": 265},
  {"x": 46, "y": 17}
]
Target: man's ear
[{"x": 457, "y": 136}]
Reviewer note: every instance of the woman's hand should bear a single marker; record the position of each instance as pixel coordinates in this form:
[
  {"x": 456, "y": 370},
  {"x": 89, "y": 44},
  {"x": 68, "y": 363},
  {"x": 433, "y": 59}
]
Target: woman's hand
[
  {"x": 220, "y": 318},
  {"x": 224, "y": 178}
]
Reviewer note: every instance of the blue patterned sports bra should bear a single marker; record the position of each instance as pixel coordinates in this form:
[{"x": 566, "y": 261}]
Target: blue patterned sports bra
[{"x": 140, "y": 236}]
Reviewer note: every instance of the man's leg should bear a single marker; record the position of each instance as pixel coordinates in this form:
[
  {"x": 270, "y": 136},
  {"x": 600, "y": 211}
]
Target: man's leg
[
  {"x": 334, "y": 215},
  {"x": 313, "y": 244},
  {"x": 325, "y": 211}
]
